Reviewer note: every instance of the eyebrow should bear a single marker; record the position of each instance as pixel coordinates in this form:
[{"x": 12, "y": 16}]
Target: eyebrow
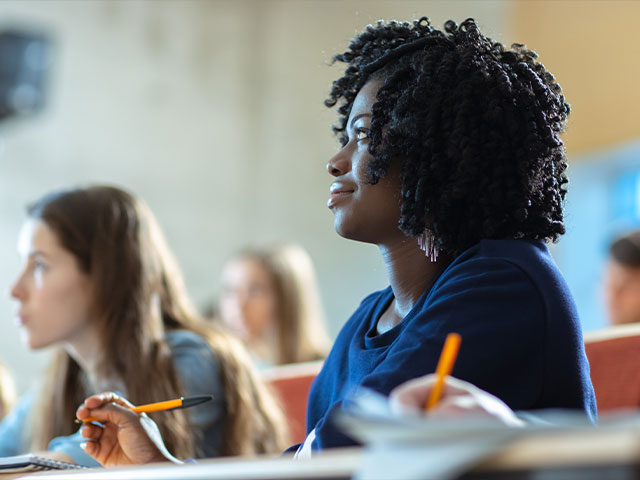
[
  {"x": 36, "y": 253},
  {"x": 357, "y": 117}
]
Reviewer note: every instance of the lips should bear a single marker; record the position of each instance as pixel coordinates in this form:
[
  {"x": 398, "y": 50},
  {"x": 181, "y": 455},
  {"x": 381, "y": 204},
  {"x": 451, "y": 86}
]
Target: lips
[
  {"x": 339, "y": 192},
  {"x": 20, "y": 319}
]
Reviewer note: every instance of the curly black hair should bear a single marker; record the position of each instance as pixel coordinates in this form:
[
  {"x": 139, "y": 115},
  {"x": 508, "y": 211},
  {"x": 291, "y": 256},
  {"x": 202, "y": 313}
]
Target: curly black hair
[{"x": 475, "y": 125}]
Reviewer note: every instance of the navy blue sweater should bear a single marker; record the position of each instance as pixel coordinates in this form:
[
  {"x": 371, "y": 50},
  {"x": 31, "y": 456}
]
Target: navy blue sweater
[{"x": 521, "y": 339}]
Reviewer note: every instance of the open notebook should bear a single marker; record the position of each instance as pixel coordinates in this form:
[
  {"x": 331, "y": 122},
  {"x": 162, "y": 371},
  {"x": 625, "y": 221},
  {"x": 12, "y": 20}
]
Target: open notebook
[
  {"x": 32, "y": 463},
  {"x": 441, "y": 448}
]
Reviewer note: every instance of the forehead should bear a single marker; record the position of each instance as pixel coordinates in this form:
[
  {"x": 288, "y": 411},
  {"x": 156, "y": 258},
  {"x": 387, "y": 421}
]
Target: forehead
[
  {"x": 36, "y": 235},
  {"x": 618, "y": 270},
  {"x": 365, "y": 99},
  {"x": 243, "y": 269}
]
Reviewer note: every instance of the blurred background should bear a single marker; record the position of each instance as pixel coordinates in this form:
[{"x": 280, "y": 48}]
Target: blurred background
[{"x": 212, "y": 112}]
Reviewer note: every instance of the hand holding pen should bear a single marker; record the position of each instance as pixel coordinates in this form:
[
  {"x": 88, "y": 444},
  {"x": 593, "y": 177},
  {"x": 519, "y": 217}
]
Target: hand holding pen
[
  {"x": 444, "y": 396},
  {"x": 125, "y": 436}
]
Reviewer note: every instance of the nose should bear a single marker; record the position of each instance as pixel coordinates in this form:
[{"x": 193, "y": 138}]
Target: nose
[
  {"x": 340, "y": 163},
  {"x": 17, "y": 291}
]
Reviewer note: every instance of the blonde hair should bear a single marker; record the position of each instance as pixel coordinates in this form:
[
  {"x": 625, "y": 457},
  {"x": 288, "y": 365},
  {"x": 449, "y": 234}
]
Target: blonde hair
[
  {"x": 7, "y": 391},
  {"x": 139, "y": 295},
  {"x": 301, "y": 330}
]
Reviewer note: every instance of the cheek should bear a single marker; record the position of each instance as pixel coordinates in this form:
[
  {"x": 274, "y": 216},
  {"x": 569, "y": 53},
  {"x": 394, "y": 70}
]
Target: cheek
[
  {"x": 260, "y": 313},
  {"x": 66, "y": 304}
]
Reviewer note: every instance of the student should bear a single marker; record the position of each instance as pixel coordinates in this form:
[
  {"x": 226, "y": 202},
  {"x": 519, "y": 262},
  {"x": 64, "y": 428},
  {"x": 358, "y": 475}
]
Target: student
[
  {"x": 270, "y": 298},
  {"x": 452, "y": 164},
  {"x": 7, "y": 391},
  {"x": 99, "y": 283},
  {"x": 622, "y": 280}
]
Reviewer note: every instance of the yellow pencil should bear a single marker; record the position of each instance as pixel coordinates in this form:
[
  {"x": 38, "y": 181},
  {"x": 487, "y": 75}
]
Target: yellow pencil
[
  {"x": 445, "y": 365},
  {"x": 181, "y": 402}
]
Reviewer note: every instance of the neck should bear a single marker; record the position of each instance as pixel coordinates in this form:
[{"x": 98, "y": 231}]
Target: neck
[
  {"x": 410, "y": 272},
  {"x": 265, "y": 346},
  {"x": 85, "y": 349}
]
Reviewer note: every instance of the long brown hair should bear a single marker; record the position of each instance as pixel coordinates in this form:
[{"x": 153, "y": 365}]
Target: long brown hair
[
  {"x": 139, "y": 295},
  {"x": 301, "y": 331},
  {"x": 7, "y": 391}
]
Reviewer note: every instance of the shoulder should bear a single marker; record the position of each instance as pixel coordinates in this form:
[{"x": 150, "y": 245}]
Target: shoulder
[
  {"x": 191, "y": 352},
  {"x": 532, "y": 257},
  {"x": 513, "y": 280},
  {"x": 184, "y": 340},
  {"x": 196, "y": 363},
  {"x": 512, "y": 263}
]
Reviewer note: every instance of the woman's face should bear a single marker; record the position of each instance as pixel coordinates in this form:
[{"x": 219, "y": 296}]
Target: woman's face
[
  {"x": 54, "y": 295},
  {"x": 247, "y": 299},
  {"x": 362, "y": 211},
  {"x": 622, "y": 293}
]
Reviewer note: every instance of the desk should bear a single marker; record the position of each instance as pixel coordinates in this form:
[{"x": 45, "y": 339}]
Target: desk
[{"x": 601, "y": 454}]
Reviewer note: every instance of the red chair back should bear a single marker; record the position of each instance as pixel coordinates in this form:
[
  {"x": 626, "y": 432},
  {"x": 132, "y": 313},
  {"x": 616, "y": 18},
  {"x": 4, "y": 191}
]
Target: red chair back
[
  {"x": 292, "y": 384},
  {"x": 614, "y": 359}
]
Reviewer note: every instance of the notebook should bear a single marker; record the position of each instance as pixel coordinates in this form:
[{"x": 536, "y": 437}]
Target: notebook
[{"x": 32, "y": 463}]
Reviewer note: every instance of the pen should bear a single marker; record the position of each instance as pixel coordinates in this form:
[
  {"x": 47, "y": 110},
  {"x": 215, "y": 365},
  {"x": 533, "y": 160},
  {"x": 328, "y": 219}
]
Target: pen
[
  {"x": 445, "y": 365},
  {"x": 181, "y": 402}
]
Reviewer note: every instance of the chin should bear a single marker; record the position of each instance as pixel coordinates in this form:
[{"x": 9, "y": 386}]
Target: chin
[
  {"x": 350, "y": 232},
  {"x": 33, "y": 343},
  {"x": 344, "y": 228}
]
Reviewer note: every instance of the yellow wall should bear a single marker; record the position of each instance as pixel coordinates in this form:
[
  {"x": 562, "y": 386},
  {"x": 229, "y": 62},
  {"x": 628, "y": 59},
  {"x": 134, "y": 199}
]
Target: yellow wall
[{"x": 593, "y": 49}]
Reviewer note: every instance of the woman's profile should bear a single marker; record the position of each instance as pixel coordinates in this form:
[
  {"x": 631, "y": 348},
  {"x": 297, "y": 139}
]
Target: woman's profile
[
  {"x": 99, "y": 284},
  {"x": 451, "y": 163}
]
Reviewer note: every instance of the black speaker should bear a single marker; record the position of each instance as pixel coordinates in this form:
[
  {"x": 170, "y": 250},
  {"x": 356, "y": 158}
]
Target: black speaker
[{"x": 25, "y": 59}]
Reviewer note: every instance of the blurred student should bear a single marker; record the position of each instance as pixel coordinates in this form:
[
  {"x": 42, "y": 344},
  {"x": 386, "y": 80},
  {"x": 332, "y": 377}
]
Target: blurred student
[
  {"x": 99, "y": 283},
  {"x": 7, "y": 391},
  {"x": 270, "y": 298},
  {"x": 622, "y": 280}
]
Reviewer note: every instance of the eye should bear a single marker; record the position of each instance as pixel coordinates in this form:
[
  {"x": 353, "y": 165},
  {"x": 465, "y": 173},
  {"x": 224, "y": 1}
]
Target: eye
[
  {"x": 362, "y": 134},
  {"x": 39, "y": 266}
]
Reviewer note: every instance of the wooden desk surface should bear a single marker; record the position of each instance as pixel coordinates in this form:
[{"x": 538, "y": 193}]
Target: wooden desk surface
[{"x": 616, "y": 450}]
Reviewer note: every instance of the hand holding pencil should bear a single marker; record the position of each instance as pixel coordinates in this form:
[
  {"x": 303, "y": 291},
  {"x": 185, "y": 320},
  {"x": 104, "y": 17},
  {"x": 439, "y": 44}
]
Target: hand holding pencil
[
  {"x": 444, "y": 396},
  {"x": 125, "y": 438},
  {"x": 165, "y": 406}
]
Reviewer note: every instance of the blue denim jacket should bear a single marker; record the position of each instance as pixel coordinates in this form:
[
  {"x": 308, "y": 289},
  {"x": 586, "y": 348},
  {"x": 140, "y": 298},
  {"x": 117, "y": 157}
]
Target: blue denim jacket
[{"x": 198, "y": 370}]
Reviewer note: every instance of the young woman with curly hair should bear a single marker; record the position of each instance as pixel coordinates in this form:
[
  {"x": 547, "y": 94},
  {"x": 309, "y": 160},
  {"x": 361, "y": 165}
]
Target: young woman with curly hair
[{"x": 450, "y": 147}]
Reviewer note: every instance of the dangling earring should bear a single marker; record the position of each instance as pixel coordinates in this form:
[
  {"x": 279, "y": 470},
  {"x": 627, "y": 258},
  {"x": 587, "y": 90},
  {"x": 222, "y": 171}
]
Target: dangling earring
[{"x": 427, "y": 243}]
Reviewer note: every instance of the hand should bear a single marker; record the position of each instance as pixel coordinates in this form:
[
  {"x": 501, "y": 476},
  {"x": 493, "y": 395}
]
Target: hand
[
  {"x": 126, "y": 437},
  {"x": 459, "y": 398}
]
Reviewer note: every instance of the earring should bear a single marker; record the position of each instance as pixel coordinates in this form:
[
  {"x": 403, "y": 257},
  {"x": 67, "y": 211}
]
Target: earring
[{"x": 427, "y": 243}]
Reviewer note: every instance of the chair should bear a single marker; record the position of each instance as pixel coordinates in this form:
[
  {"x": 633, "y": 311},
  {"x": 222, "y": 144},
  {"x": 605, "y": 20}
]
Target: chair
[
  {"x": 614, "y": 359},
  {"x": 292, "y": 384}
]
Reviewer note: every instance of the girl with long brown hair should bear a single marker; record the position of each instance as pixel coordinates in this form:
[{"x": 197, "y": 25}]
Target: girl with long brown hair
[
  {"x": 270, "y": 298},
  {"x": 99, "y": 281}
]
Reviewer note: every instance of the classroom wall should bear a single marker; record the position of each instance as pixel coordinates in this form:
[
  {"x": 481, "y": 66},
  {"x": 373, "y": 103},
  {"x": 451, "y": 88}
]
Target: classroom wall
[
  {"x": 592, "y": 47},
  {"x": 211, "y": 111}
]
